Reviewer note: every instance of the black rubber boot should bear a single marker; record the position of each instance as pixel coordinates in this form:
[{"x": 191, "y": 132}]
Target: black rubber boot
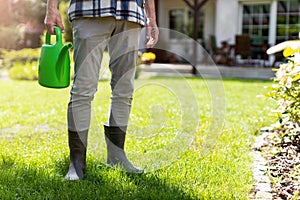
[
  {"x": 77, "y": 145},
  {"x": 115, "y": 139}
]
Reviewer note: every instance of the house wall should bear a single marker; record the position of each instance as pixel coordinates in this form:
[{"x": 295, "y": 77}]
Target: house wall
[
  {"x": 226, "y": 25},
  {"x": 226, "y": 11},
  {"x": 164, "y": 8},
  {"x": 209, "y": 21},
  {"x": 222, "y": 18},
  {"x": 174, "y": 46}
]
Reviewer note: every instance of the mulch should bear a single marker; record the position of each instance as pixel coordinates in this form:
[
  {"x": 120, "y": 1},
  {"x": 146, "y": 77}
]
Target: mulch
[{"x": 282, "y": 152}]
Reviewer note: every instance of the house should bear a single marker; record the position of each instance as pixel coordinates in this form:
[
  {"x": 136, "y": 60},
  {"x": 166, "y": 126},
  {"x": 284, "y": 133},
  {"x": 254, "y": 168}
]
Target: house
[{"x": 267, "y": 22}]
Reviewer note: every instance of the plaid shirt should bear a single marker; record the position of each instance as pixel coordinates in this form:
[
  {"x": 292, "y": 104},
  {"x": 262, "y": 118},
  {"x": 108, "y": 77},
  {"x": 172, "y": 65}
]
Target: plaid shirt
[{"x": 130, "y": 10}]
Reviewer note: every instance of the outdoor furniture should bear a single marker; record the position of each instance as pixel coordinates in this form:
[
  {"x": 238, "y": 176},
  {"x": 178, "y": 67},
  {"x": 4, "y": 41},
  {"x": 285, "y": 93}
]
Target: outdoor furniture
[
  {"x": 242, "y": 47},
  {"x": 259, "y": 48},
  {"x": 251, "y": 49},
  {"x": 220, "y": 55}
]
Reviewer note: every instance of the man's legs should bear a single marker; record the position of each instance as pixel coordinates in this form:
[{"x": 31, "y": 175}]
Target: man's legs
[
  {"x": 90, "y": 39},
  {"x": 123, "y": 48}
]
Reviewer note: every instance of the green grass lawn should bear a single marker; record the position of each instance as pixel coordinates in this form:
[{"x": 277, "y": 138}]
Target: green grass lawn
[{"x": 188, "y": 152}]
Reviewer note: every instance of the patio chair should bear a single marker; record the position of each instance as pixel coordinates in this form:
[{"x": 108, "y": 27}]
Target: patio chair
[
  {"x": 242, "y": 47},
  {"x": 220, "y": 55}
]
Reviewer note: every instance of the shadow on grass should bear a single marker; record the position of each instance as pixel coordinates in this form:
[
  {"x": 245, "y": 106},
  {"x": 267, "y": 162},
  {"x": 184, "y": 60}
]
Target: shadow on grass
[{"x": 101, "y": 182}]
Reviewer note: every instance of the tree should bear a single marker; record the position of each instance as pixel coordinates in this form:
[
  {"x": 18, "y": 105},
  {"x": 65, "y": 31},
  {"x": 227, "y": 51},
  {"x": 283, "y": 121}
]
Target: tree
[
  {"x": 6, "y": 17},
  {"x": 29, "y": 10},
  {"x": 25, "y": 20},
  {"x": 195, "y": 7}
]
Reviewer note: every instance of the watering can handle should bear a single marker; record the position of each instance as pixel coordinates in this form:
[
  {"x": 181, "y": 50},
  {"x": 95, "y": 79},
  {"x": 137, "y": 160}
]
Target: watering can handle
[{"x": 58, "y": 35}]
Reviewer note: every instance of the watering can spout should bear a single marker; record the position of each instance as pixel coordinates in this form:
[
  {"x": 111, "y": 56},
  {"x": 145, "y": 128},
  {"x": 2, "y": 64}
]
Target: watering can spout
[{"x": 63, "y": 61}]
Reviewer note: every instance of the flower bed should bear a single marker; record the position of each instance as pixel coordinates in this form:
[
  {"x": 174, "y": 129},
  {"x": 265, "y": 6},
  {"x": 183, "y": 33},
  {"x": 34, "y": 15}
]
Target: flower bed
[{"x": 283, "y": 142}]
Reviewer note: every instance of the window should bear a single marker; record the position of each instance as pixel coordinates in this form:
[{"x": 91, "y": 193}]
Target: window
[
  {"x": 256, "y": 19},
  {"x": 288, "y": 20},
  {"x": 176, "y": 17},
  {"x": 182, "y": 20}
]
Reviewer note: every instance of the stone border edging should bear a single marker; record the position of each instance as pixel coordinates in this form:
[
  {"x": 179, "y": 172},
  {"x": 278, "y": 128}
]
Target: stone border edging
[{"x": 262, "y": 186}]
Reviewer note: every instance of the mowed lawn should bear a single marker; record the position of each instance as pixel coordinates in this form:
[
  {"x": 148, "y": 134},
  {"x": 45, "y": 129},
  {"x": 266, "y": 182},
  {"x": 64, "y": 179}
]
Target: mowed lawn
[{"x": 192, "y": 136}]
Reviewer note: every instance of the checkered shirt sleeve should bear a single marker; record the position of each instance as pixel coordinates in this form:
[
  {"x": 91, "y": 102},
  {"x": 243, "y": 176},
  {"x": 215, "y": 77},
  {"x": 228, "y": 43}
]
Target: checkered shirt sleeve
[{"x": 130, "y": 10}]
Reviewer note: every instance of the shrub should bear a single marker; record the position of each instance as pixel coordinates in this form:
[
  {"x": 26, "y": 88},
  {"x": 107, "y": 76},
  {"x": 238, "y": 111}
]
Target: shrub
[
  {"x": 286, "y": 91},
  {"x": 21, "y": 56},
  {"x": 27, "y": 71},
  {"x": 63, "y": 9},
  {"x": 23, "y": 64}
]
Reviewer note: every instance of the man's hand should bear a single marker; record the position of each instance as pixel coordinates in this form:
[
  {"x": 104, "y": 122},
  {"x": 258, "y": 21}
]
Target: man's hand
[
  {"x": 151, "y": 26},
  {"x": 53, "y": 17},
  {"x": 151, "y": 34}
]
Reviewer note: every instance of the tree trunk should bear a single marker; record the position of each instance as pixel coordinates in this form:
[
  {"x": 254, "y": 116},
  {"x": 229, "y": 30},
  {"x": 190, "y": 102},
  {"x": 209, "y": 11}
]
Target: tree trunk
[{"x": 195, "y": 7}]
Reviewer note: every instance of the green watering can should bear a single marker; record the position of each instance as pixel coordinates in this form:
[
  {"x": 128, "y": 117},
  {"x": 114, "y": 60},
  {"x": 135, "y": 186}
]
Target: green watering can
[{"x": 54, "y": 62}]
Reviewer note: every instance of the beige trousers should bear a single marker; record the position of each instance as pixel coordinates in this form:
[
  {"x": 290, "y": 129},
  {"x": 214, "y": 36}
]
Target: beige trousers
[{"x": 91, "y": 37}]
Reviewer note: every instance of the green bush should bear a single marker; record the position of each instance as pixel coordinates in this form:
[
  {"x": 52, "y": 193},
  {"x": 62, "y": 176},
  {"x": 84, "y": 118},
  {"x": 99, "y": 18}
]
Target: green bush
[
  {"x": 286, "y": 91},
  {"x": 63, "y": 9},
  {"x": 27, "y": 71},
  {"x": 23, "y": 64},
  {"x": 19, "y": 56}
]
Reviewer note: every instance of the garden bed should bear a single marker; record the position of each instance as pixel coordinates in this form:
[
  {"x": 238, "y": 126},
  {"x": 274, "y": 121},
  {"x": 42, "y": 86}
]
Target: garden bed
[
  {"x": 282, "y": 143},
  {"x": 281, "y": 151}
]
